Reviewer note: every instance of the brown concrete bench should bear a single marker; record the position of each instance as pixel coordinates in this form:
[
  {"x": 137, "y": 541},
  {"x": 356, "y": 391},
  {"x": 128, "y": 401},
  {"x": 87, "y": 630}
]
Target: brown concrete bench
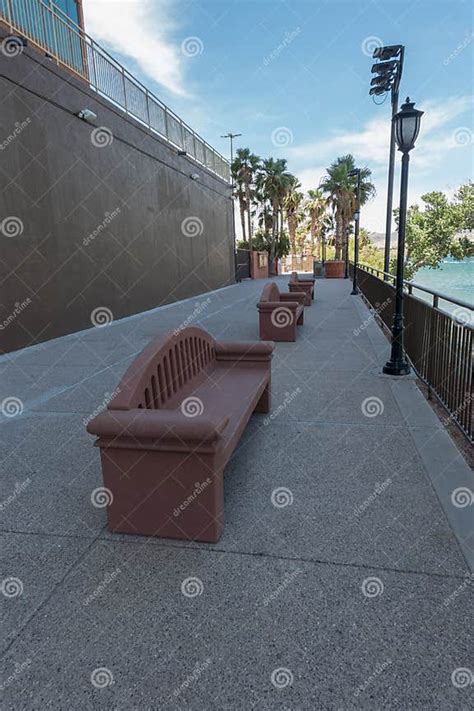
[
  {"x": 307, "y": 285},
  {"x": 279, "y": 313},
  {"x": 170, "y": 430}
]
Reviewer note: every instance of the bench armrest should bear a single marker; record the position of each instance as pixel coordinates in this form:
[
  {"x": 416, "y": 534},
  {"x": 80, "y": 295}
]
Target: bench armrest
[
  {"x": 298, "y": 296},
  {"x": 247, "y": 352},
  {"x": 156, "y": 429},
  {"x": 291, "y": 304}
]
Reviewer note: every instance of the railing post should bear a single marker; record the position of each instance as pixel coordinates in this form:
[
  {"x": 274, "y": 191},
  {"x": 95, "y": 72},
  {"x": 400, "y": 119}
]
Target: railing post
[
  {"x": 55, "y": 39},
  {"x": 94, "y": 69},
  {"x": 435, "y": 301},
  {"x": 147, "y": 109},
  {"x": 124, "y": 90}
]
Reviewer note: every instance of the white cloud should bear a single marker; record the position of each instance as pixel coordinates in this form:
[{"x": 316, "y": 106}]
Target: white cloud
[
  {"x": 139, "y": 29},
  {"x": 370, "y": 145},
  {"x": 440, "y": 141}
]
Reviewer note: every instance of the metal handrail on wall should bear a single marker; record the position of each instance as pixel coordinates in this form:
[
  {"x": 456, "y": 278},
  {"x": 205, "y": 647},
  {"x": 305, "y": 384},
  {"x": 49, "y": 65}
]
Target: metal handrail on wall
[
  {"x": 50, "y": 29},
  {"x": 438, "y": 344}
]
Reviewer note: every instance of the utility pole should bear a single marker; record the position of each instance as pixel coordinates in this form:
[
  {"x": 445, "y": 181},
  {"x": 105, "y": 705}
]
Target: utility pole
[{"x": 231, "y": 137}]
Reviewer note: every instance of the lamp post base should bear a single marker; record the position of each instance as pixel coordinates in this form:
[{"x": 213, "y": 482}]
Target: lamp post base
[
  {"x": 396, "y": 367},
  {"x": 355, "y": 292}
]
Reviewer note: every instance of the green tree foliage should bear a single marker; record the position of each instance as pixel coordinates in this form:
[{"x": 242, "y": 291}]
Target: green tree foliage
[
  {"x": 263, "y": 242},
  {"x": 340, "y": 188},
  {"x": 437, "y": 229}
]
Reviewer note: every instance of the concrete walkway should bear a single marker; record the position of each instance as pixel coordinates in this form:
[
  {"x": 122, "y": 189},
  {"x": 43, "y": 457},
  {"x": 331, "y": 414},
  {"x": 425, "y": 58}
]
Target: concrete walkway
[{"x": 338, "y": 583}]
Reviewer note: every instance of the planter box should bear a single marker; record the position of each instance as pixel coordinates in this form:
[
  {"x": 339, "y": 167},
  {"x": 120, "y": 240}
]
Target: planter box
[
  {"x": 259, "y": 265},
  {"x": 335, "y": 269}
]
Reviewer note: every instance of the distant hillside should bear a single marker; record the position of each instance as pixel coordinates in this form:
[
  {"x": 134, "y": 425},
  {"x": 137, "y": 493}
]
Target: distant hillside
[{"x": 378, "y": 238}]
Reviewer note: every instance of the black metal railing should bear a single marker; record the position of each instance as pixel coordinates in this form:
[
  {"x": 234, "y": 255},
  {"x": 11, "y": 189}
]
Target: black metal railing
[{"x": 438, "y": 339}]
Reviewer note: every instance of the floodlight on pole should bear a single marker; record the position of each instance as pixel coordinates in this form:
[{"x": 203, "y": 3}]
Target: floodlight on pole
[{"x": 387, "y": 78}]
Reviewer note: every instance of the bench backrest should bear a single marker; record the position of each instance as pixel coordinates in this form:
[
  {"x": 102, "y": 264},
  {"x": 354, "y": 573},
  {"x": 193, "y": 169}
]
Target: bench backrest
[
  {"x": 270, "y": 292},
  {"x": 164, "y": 368}
]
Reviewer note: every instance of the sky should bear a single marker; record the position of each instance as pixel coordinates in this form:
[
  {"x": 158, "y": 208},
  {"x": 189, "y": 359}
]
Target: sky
[{"x": 293, "y": 75}]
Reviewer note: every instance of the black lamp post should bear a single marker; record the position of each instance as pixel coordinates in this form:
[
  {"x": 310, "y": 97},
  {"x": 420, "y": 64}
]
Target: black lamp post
[
  {"x": 407, "y": 127},
  {"x": 353, "y": 174},
  {"x": 346, "y": 254}
]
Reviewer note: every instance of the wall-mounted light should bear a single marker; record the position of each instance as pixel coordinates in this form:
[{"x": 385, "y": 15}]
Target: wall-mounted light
[
  {"x": 194, "y": 176},
  {"x": 87, "y": 115},
  {"x": 182, "y": 153}
]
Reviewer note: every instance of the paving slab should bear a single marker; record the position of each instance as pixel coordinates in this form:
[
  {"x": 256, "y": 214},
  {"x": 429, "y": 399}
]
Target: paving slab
[
  {"x": 185, "y": 628},
  {"x": 346, "y": 485},
  {"x": 32, "y": 567},
  {"x": 297, "y": 490}
]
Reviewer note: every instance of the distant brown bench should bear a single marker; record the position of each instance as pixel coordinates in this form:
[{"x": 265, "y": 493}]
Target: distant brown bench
[
  {"x": 280, "y": 313},
  {"x": 306, "y": 285},
  {"x": 170, "y": 430}
]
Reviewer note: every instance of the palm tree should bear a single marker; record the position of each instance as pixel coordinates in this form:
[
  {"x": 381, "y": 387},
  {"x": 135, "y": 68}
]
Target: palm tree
[
  {"x": 340, "y": 188},
  {"x": 244, "y": 169},
  {"x": 292, "y": 204},
  {"x": 274, "y": 182},
  {"x": 316, "y": 207}
]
